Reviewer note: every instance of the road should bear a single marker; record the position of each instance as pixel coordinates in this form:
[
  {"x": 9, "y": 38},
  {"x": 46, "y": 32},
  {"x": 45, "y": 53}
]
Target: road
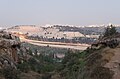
[{"x": 56, "y": 44}]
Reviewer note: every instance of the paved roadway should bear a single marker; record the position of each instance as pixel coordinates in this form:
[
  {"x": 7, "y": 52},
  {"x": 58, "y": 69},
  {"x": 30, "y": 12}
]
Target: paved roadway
[{"x": 56, "y": 44}]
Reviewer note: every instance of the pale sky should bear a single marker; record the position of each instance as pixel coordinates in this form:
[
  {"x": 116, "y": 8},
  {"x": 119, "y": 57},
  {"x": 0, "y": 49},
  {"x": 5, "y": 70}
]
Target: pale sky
[{"x": 73, "y": 12}]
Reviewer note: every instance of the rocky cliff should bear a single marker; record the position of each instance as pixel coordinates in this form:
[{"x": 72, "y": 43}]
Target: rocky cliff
[
  {"x": 15, "y": 60},
  {"x": 9, "y": 49},
  {"x": 12, "y": 53}
]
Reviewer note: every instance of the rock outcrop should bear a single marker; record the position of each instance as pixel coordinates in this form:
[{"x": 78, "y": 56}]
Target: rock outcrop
[
  {"x": 9, "y": 48},
  {"x": 13, "y": 56}
]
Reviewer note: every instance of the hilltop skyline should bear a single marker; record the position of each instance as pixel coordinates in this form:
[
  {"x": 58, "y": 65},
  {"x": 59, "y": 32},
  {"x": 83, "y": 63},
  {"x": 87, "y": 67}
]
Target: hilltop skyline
[
  {"x": 51, "y": 25},
  {"x": 72, "y": 12}
]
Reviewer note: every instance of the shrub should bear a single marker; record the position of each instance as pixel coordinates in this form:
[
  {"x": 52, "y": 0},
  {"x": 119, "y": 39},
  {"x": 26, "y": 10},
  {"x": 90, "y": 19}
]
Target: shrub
[{"x": 10, "y": 73}]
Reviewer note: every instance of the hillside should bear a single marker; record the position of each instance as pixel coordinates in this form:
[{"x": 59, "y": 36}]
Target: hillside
[
  {"x": 48, "y": 32},
  {"x": 100, "y": 61},
  {"x": 57, "y": 33},
  {"x": 14, "y": 58},
  {"x": 9, "y": 49},
  {"x": 62, "y": 33},
  {"x": 22, "y": 60}
]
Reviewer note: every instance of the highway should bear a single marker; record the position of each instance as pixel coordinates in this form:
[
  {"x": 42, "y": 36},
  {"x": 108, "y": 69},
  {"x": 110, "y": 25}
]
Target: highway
[{"x": 56, "y": 44}]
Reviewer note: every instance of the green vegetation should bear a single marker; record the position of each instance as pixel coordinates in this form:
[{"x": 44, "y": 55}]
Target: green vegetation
[
  {"x": 9, "y": 73},
  {"x": 88, "y": 64},
  {"x": 79, "y": 65},
  {"x": 44, "y": 63},
  {"x": 110, "y": 30},
  {"x": 39, "y": 64},
  {"x": 73, "y": 64}
]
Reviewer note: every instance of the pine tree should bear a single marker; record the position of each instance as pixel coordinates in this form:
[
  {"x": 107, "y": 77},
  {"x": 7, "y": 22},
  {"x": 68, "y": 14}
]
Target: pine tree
[{"x": 110, "y": 30}]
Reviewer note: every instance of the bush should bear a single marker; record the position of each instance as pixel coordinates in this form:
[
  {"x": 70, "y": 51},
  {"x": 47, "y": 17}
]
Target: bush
[
  {"x": 24, "y": 67},
  {"x": 10, "y": 73}
]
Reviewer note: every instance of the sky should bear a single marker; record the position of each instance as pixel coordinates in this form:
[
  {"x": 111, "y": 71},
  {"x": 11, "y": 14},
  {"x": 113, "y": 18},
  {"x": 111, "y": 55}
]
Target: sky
[{"x": 72, "y": 12}]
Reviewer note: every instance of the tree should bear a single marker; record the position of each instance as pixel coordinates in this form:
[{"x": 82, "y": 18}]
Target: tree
[{"x": 110, "y": 30}]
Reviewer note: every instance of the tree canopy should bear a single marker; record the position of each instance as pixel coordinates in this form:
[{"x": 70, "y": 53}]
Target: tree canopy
[{"x": 110, "y": 30}]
